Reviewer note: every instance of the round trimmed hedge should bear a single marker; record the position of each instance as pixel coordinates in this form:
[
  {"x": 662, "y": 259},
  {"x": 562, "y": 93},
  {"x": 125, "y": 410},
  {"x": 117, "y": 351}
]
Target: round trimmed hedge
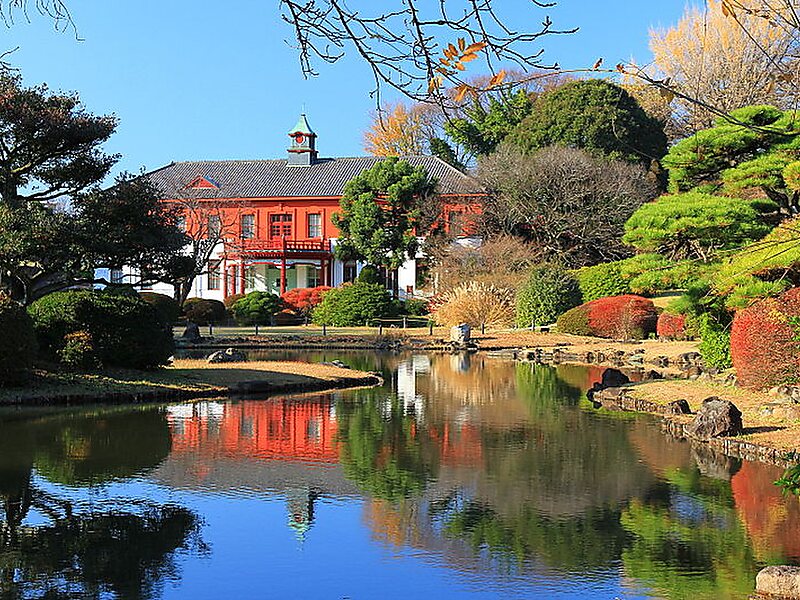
[
  {"x": 765, "y": 342},
  {"x": 124, "y": 331},
  {"x": 202, "y": 311},
  {"x": 17, "y": 344},
  {"x": 616, "y": 317},
  {"x": 549, "y": 291},
  {"x": 353, "y": 304},
  {"x": 671, "y": 326},
  {"x": 169, "y": 308},
  {"x": 601, "y": 281},
  {"x": 256, "y": 308}
]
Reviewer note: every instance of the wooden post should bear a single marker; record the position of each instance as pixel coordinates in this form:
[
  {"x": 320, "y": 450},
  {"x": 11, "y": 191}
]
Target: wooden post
[
  {"x": 430, "y": 327},
  {"x": 380, "y": 328},
  {"x": 324, "y": 329},
  {"x": 405, "y": 322}
]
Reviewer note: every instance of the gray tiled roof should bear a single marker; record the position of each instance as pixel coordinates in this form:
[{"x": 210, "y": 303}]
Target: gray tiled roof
[{"x": 273, "y": 178}]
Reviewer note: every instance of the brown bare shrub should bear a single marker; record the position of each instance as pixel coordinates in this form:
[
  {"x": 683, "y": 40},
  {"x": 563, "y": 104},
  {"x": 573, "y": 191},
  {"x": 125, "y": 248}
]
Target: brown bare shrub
[{"x": 476, "y": 304}]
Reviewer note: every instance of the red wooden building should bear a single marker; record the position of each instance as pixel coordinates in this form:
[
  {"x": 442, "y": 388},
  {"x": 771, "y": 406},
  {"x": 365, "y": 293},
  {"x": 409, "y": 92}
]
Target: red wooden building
[{"x": 273, "y": 217}]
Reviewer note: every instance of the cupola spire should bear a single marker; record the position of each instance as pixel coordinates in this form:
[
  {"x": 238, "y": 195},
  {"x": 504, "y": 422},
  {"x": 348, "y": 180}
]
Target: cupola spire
[{"x": 303, "y": 150}]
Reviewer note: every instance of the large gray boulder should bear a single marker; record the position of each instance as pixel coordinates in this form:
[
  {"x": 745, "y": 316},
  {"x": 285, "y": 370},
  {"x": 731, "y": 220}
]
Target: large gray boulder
[
  {"x": 229, "y": 355},
  {"x": 778, "y": 582},
  {"x": 716, "y": 418}
]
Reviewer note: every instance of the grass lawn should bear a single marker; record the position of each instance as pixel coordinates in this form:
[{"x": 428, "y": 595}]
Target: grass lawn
[{"x": 191, "y": 376}]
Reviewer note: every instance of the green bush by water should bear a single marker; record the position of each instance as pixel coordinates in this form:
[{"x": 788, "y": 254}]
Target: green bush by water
[
  {"x": 354, "y": 305},
  {"x": 125, "y": 331},
  {"x": 17, "y": 343}
]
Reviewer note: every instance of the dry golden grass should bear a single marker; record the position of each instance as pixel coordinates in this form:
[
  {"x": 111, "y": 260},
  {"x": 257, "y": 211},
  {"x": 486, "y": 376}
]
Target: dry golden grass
[
  {"x": 521, "y": 338},
  {"x": 199, "y": 372},
  {"x": 194, "y": 376},
  {"x": 763, "y": 429}
]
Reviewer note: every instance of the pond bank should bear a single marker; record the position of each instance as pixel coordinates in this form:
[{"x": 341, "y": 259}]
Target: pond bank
[
  {"x": 768, "y": 436},
  {"x": 184, "y": 380}
]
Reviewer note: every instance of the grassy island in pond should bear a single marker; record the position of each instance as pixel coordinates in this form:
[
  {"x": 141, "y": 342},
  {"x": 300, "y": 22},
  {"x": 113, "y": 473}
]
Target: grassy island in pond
[{"x": 185, "y": 379}]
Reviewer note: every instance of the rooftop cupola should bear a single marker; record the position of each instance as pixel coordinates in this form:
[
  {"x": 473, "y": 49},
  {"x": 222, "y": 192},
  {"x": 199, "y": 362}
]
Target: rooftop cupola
[{"x": 303, "y": 151}]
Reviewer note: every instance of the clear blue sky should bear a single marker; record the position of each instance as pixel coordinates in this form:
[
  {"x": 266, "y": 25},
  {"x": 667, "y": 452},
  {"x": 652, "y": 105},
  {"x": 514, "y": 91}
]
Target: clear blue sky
[{"x": 194, "y": 80}]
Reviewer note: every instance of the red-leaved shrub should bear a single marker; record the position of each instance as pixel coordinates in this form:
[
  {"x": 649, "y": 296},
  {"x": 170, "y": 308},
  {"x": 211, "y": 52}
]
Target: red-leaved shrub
[
  {"x": 765, "y": 346},
  {"x": 671, "y": 327},
  {"x": 303, "y": 300},
  {"x": 617, "y": 317}
]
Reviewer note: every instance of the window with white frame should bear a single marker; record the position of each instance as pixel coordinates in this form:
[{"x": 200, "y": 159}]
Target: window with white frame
[
  {"x": 117, "y": 276},
  {"x": 314, "y": 225},
  {"x": 214, "y": 275},
  {"x": 214, "y": 226},
  {"x": 314, "y": 278},
  {"x": 248, "y": 226},
  {"x": 249, "y": 277}
]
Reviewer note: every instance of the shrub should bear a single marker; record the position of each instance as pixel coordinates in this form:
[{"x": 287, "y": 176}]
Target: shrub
[
  {"x": 256, "y": 308},
  {"x": 17, "y": 343},
  {"x": 167, "y": 305},
  {"x": 765, "y": 345},
  {"x": 620, "y": 317},
  {"x": 476, "y": 304},
  {"x": 369, "y": 274},
  {"x": 574, "y": 321},
  {"x": 415, "y": 307},
  {"x": 304, "y": 300},
  {"x": 601, "y": 281},
  {"x": 671, "y": 326},
  {"x": 203, "y": 312},
  {"x": 126, "y": 331},
  {"x": 549, "y": 291},
  {"x": 715, "y": 342},
  {"x": 79, "y": 351},
  {"x": 353, "y": 304},
  {"x": 229, "y": 301}
]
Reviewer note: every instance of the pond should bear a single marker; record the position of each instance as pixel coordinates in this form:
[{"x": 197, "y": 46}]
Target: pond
[{"x": 462, "y": 477}]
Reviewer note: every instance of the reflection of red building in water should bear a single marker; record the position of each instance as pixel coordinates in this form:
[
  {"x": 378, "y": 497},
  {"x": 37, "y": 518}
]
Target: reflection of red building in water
[{"x": 274, "y": 430}]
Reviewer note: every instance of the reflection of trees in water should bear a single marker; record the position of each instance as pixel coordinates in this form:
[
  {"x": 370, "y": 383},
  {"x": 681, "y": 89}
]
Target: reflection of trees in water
[
  {"x": 553, "y": 483},
  {"x": 687, "y": 541},
  {"x": 88, "y": 449},
  {"x": 590, "y": 541},
  {"x": 380, "y": 447},
  {"x": 82, "y": 555},
  {"x": 80, "y": 551}
]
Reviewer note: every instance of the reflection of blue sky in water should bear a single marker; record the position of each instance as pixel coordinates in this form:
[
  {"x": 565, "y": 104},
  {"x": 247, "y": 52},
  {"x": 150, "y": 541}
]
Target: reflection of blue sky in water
[{"x": 524, "y": 492}]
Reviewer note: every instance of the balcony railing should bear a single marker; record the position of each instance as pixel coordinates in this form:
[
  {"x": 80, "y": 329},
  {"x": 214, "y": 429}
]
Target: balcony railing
[{"x": 284, "y": 245}]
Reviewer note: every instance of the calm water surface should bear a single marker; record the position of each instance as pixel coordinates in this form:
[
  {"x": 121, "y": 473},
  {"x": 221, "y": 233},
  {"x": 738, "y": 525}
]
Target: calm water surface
[{"x": 460, "y": 478}]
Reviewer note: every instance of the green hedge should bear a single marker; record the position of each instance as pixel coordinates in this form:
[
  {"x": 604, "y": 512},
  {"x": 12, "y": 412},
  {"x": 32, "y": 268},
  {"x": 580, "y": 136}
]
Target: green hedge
[
  {"x": 203, "y": 312},
  {"x": 353, "y": 305},
  {"x": 715, "y": 344},
  {"x": 17, "y": 343},
  {"x": 548, "y": 292},
  {"x": 166, "y": 305},
  {"x": 256, "y": 308},
  {"x": 601, "y": 281},
  {"x": 124, "y": 331}
]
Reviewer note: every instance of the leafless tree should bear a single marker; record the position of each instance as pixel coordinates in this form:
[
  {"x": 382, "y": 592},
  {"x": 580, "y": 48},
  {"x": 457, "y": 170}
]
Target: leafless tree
[
  {"x": 420, "y": 49},
  {"x": 571, "y": 204},
  {"x": 208, "y": 224}
]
